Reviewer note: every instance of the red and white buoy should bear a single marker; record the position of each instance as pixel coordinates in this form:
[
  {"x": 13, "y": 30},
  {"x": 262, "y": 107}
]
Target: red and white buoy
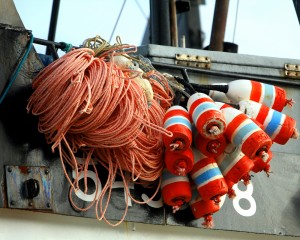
[
  {"x": 278, "y": 126},
  {"x": 222, "y": 105},
  {"x": 262, "y": 164},
  {"x": 206, "y": 116},
  {"x": 208, "y": 179},
  {"x": 245, "y": 134},
  {"x": 269, "y": 95},
  {"x": 210, "y": 147},
  {"x": 179, "y": 162},
  {"x": 177, "y": 120},
  {"x": 176, "y": 190},
  {"x": 234, "y": 166},
  {"x": 203, "y": 209}
]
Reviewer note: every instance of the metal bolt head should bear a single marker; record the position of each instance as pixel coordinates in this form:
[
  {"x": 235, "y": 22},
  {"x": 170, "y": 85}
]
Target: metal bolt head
[
  {"x": 48, "y": 205},
  {"x": 46, "y": 171}
]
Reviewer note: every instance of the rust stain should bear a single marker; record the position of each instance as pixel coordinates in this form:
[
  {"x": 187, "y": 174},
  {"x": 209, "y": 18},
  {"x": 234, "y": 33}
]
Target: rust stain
[
  {"x": 5, "y": 205},
  {"x": 23, "y": 169}
]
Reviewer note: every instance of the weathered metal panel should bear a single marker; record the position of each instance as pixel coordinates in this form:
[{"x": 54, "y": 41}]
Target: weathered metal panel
[{"x": 269, "y": 67}]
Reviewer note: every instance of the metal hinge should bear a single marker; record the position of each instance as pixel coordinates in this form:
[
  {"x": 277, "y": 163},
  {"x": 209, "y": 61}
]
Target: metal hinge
[
  {"x": 292, "y": 71},
  {"x": 192, "y": 61}
]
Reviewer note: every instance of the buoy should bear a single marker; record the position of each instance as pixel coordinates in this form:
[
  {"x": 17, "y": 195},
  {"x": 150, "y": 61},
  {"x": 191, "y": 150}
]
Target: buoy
[
  {"x": 234, "y": 166},
  {"x": 179, "y": 162},
  {"x": 176, "y": 190},
  {"x": 245, "y": 134},
  {"x": 124, "y": 62},
  {"x": 278, "y": 126},
  {"x": 222, "y": 105},
  {"x": 262, "y": 164},
  {"x": 210, "y": 147},
  {"x": 217, "y": 95},
  {"x": 208, "y": 179},
  {"x": 177, "y": 120},
  {"x": 206, "y": 116},
  {"x": 203, "y": 209},
  {"x": 269, "y": 95}
]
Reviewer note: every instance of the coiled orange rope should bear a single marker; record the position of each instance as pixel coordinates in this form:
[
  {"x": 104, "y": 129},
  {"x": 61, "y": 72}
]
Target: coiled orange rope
[{"x": 88, "y": 104}]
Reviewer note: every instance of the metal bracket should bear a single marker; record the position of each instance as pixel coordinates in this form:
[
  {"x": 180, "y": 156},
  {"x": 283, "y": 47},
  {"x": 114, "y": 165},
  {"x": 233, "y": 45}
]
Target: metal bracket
[
  {"x": 193, "y": 61},
  {"x": 29, "y": 187},
  {"x": 292, "y": 71}
]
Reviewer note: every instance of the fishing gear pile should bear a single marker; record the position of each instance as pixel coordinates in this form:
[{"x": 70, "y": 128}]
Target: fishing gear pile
[
  {"x": 221, "y": 133},
  {"x": 95, "y": 105},
  {"x": 103, "y": 104}
]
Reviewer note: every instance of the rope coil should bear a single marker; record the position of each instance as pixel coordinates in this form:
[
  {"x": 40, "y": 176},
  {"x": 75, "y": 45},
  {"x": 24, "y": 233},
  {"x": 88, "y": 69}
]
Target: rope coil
[{"x": 87, "y": 104}]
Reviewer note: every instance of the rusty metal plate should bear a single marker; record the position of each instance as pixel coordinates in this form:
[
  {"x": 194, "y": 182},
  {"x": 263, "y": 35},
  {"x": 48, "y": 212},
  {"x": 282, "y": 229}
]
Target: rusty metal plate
[{"x": 29, "y": 187}]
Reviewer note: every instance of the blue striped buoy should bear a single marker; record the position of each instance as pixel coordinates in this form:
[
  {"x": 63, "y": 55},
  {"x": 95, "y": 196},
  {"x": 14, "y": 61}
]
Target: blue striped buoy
[
  {"x": 208, "y": 179},
  {"x": 177, "y": 120}
]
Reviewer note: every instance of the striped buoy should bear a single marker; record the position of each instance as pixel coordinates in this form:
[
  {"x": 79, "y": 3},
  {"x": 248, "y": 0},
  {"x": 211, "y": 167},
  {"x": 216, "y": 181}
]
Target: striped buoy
[
  {"x": 210, "y": 147},
  {"x": 222, "y": 105},
  {"x": 278, "y": 126},
  {"x": 245, "y": 134},
  {"x": 206, "y": 116},
  {"x": 179, "y": 162},
  {"x": 203, "y": 209},
  {"x": 234, "y": 165},
  {"x": 176, "y": 190},
  {"x": 208, "y": 179},
  {"x": 269, "y": 95},
  {"x": 177, "y": 120}
]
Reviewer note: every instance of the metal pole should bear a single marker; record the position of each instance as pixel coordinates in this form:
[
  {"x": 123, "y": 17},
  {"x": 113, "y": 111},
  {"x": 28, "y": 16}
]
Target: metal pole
[
  {"x": 174, "y": 29},
  {"x": 160, "y": 22},
  {"x": 219, "y": 25},
  {"x": 53, "y": 23}
]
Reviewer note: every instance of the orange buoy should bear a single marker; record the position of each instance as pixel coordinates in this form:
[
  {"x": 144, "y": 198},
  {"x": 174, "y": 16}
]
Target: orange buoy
[
  {"x": 269, "y": 95},
  {"x": 179, "y": 162},
  {"x": 278, "y": 126},
  {"x": 206, "y": 116},
  {"x": 262, "y": 164},
  {"x": 234, "y": 166},
  {"x": 176, "y": 190},
  {"x": 177, "y": 120},
  {"x": 208, "y": 179},
  {"x": 245, "y": 134},
  {"x": 210, "y": 147},
  {"x": 203, "y": 209}
]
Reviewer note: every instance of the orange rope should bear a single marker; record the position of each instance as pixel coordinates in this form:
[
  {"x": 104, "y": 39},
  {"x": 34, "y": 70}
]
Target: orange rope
[{"x": 88, "y": 104}]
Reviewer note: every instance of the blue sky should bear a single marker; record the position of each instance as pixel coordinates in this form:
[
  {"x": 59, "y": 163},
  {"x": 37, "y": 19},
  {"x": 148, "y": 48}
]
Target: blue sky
[{"x": 264, "y": 27}]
